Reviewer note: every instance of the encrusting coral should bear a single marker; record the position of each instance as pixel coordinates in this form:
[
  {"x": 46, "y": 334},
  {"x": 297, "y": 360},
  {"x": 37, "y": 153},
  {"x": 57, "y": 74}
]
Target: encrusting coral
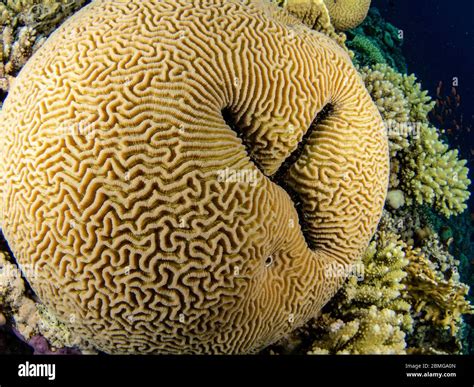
[
  {"x": 347, "y": 14},
  {"x": 115, "y": 195}
]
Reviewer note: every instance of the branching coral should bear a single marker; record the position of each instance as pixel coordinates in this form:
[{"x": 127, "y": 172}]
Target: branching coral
[
  {"x": 429, "y": 172},
  {"x": 434, "y": 175},
  {"x": 370, "y": 331},
  {"x": 438, "y": 300},
  {"x": 417, "y": 102},
  {"x": 370, "y": 51},
  {"x": 369, "y": 315},
  {"x": 14, "y": 53},
  {"x": 401, "y": 102},
  {"x": 42, "y": 15},
  {"x": 384, "y": 88}
]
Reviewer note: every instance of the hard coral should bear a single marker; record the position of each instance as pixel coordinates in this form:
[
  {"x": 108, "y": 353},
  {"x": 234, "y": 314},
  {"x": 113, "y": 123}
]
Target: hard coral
[
  {"x": 433, "y": 288},
  {"x": 369, "y": 315},
  {"x": 119, "y": 194},
  {"x": 433, "y": 174},
  {"x": 392, "y": 103},
  {"x": 412, "y": 296},
  {"x": 438, "y": 300},
  {"x": 314, "y": 14},
  {"x": 347, "y": 14},
  {"x": 30, "y": 320},
  {"x": 368, "y": 49},
  {"x": 428, "y": 172},
  {"x": 370, "y": 331},
  {"x": 23, "y": 28},
  {"x": 418, "y": 102},
  {"x": 376, "y": 36}
]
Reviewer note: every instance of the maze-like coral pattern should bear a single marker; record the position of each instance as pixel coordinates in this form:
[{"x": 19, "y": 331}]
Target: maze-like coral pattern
[
  {"x": 121, "y": 142},
  {"x": 347, "y": 14}
]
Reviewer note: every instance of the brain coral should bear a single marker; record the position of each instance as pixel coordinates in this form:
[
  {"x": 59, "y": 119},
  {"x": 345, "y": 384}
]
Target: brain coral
[
  {"x": 142, "y": 146},
  {"x": 347, "y": 14}
]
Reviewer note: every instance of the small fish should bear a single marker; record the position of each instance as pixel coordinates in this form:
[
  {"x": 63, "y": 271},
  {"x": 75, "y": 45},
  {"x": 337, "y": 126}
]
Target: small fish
[
  {"x": 439, "y": 89},
  {"x": 458, "y": 100}
]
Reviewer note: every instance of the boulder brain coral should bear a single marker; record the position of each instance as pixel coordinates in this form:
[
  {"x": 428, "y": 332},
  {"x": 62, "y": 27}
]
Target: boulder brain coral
[
  {"x": 142, "y": 146},
  {"x": 347, "y": 14}
]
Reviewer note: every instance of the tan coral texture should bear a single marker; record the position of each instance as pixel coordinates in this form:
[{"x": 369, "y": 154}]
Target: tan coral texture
[
  {"x": 156, "y": 225},
  {"x": 347, "y": 14}
]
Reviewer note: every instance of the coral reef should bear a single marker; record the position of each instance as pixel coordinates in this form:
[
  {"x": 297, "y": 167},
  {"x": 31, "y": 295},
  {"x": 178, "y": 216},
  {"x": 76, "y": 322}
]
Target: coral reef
[
  {"x": 436, "y": 299},
  {"x": 347, "y": 14},
  {"x": 24, "y": 26},
  {"x": 406, "y": 293},
  {"x": 377, "y": 42},
  {"x": 426, "y": 170},
  {"x": 369, "y": 315},
  {"x": 434, "y": 175},
  {"x": 412, "y": 296},
  {"x": 142, "y": 248},
  {"x": 433, "y": 285},
  {"x": 31, "y": 321},
  {"x": 315, "y": 15}
]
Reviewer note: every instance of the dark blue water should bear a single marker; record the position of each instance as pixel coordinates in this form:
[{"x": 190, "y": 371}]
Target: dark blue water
[{"x": 439, "y": 46}]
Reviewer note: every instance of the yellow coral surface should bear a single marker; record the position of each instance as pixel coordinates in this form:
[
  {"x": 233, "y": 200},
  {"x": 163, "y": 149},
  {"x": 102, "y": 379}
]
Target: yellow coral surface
[
  {"x": 154, "y": 226},
  {"x": 347, "y": 14}
]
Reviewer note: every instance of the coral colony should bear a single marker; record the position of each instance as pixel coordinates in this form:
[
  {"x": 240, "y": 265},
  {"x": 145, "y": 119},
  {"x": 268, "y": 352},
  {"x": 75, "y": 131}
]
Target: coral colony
[{"x": 300, "y": 221}]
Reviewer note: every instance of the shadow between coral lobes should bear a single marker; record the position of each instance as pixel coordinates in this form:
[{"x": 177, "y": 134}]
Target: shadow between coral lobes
[{"x": 280, "y": 177}]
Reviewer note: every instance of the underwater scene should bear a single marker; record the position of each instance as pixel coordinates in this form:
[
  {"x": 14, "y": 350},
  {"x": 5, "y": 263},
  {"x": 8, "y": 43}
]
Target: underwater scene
[{"x": 236, "y": 177}]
